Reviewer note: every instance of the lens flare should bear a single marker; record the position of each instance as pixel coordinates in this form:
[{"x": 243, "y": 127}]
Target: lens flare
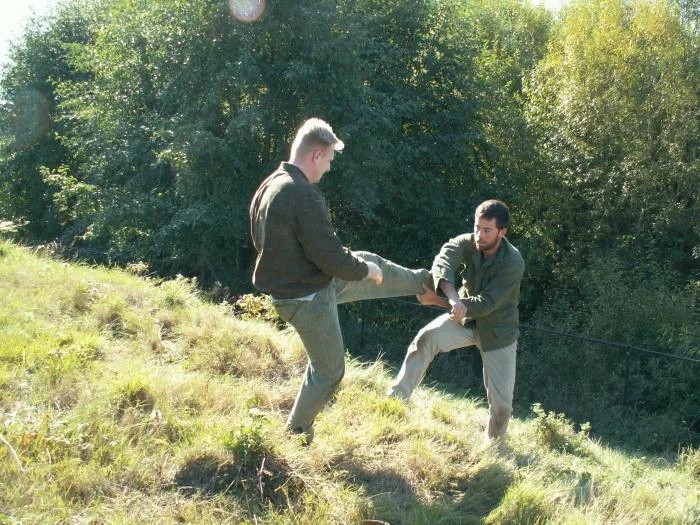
[
  {"x": 246, "y": 11},
  {"x": 29, "y": 117}
]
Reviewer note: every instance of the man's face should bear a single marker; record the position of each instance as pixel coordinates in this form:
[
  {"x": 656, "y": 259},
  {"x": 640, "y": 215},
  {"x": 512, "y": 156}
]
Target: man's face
[{"x": 487, "y": 236}]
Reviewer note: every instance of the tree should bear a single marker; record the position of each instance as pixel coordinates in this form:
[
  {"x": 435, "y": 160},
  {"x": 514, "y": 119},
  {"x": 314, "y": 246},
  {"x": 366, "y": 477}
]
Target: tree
[
  {"x": 616, "y": 103},
  {"x": 29, "y": 129}
]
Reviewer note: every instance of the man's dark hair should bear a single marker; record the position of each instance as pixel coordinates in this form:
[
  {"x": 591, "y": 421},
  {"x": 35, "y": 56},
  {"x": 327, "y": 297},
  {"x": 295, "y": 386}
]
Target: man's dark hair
[{"x": 494, "y": 209}]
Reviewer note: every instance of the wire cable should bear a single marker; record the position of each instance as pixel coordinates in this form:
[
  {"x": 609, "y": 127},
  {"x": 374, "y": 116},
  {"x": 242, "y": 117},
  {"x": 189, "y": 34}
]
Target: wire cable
[{"x": 573, "y": 336}]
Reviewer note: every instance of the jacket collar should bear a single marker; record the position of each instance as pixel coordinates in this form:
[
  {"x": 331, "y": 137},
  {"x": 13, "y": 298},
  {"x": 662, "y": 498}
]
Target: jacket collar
[{"x": 293, "y": 169}]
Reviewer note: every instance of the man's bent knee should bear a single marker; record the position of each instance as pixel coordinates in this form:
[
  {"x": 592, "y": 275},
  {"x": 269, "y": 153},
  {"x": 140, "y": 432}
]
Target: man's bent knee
[
  {"x": 330, "y": 378},
  {"x": 426, "y": 341}
]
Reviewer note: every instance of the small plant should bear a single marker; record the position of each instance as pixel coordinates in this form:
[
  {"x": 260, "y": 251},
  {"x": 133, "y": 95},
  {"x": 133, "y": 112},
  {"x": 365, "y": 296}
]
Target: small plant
[
  {"x": 138, "y": 268},
  {"x": 249, "y": 440},
  {"x": 250, "y": 307},
  {"x": 555, "y": 432}
]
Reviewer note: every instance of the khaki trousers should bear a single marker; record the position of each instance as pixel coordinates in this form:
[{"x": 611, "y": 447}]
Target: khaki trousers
[
  {"x": 442, "y": 335},
  {"x": 317, "y": 324}
]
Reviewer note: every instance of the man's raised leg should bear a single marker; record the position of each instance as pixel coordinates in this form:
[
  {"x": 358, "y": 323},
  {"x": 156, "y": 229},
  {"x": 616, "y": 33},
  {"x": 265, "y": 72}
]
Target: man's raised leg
[{"x": 397, "y": 281}]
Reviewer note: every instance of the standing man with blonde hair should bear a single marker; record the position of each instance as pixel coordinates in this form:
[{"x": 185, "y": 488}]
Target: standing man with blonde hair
[
  {"x": 483, "y": 313},
  {"x": 303, "y": 265}
]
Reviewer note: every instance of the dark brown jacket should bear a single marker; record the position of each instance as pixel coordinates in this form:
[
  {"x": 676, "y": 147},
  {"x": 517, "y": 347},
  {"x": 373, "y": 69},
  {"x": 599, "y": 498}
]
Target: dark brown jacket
[{"x": 298, "y": 249}]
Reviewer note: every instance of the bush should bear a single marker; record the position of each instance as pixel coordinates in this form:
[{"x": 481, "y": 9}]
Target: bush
[
  {"x": 249, "y": 307},
  {"x": 555, "y": 432},
  {"x": 249, "y": 440},
  {"x": 638, "y": 305}
]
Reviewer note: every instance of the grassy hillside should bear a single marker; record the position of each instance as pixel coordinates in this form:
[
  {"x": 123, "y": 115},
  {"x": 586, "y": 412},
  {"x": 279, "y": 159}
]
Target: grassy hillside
[{"x": 131, "y": 400}]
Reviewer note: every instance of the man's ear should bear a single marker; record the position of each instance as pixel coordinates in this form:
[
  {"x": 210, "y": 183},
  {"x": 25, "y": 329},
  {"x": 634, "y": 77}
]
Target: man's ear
[
  {"x": 317, "y": 155},
  {"x": 502, "y": 233}
]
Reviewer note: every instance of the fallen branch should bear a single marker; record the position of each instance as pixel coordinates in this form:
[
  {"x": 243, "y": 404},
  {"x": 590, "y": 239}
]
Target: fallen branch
[{"x": 14, "y": 454}]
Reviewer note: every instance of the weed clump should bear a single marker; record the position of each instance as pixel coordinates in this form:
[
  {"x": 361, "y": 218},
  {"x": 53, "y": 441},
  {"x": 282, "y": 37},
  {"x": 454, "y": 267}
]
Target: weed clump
[
  {"x": 555, "y": 432},
  {"x": 136, "y": 395},
  {"x": 521, "y": 504},
  {"x": 249, "y": 468},
  {"x": 689, "y": 461},
  {"x": 249, "y": 307}
]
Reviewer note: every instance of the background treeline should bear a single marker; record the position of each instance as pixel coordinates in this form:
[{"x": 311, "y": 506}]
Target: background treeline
[{"x": 137, "y": 130}]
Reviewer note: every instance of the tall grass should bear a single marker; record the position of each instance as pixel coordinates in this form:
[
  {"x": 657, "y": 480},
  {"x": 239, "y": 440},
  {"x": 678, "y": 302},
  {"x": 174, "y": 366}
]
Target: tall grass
[{"x": 127, "y": 399}]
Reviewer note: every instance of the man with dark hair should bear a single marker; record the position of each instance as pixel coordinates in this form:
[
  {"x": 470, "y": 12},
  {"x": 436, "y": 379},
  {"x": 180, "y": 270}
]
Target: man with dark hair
[
  {"x": 302, "y": 264},
  {"x": 484, "y": 312}
]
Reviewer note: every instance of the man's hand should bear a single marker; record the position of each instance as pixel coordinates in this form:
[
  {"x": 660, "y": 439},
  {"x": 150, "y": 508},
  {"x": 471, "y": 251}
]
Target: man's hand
[
  {"x": 429, "y": 297},
  {"x": 457, "y": 308},
  {"x": 458, "y": 311},
  {"x": 374, "y": 273}
]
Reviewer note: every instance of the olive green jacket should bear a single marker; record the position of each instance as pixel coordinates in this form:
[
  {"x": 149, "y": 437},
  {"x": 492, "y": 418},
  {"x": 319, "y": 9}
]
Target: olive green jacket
[{"x": 490, "y": 287}]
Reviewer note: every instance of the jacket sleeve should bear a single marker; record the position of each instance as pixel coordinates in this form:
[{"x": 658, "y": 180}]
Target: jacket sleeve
[
  {"x": 503, "y": 287},
  {"x": 452, "y": 254},
  {"x": 319, "y": 241}
]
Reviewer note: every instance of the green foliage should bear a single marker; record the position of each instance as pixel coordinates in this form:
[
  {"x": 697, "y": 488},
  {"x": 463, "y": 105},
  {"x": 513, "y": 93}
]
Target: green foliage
[
  {"x": 637, "y": 305},
  {"x": 555, "y": 432},
  {"x": 613, "y": 104},
  {"x": 30, "y": 127},
  {"x": 71, "y": 198},
  {"x": 171, "y": 113},
  {"x": 249, "y": 440},
  {"x": 250, "y": 306}
]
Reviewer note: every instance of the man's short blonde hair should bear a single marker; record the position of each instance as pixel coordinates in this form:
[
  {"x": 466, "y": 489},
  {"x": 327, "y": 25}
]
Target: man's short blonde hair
[{"x": 315, "y": 133}]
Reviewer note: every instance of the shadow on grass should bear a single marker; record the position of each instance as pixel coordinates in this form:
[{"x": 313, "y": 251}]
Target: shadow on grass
[
  {"x": 264, "y": 481},
  {"x": 389, "y": 328},
  {"x": 464, "y": 500}
]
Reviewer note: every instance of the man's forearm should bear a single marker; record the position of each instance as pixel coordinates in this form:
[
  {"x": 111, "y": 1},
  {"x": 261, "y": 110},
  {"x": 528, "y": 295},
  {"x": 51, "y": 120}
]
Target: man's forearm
[
  {"x": 458, "y": 310},
  {"x": 449, "y": 290}
]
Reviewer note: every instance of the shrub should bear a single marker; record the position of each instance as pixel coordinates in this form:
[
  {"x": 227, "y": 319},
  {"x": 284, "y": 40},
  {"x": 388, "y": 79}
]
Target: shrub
[
  {"x": 555, "y": 432},
  {"x": 250, "y": 307},
  {"x": 248, "y": 440}
]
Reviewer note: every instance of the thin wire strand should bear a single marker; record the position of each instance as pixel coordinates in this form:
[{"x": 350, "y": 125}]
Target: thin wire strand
[{"x": 572, "y": 336}]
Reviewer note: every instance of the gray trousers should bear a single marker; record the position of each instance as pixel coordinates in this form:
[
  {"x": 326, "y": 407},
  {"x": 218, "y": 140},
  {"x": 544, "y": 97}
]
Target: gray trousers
[
  {"x": 442, "y": 335},
  {"x": 317, "y": 324}
]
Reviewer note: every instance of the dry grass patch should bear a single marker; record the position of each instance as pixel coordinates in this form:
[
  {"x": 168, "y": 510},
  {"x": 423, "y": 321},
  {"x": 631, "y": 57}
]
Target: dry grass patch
[{"x": 248, "y": 349}]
